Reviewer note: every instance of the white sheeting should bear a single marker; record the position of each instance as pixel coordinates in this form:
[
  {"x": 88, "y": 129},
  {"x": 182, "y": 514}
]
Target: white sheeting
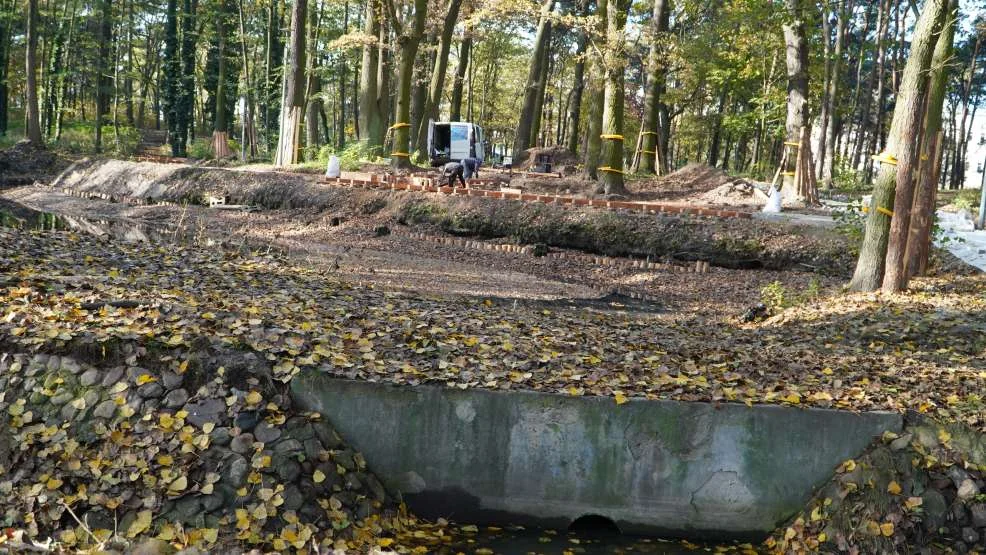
[{"x": 964, "y": 241}]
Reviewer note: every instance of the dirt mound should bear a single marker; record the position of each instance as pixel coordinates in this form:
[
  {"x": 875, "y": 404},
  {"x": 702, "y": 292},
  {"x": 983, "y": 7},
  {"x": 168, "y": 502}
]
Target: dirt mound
[
  {"x": 24, "y": 160},
  {"x": 734, "y": 193},
  {"x": 690, "y": 180},
  {"x": 561, "y": 159}
]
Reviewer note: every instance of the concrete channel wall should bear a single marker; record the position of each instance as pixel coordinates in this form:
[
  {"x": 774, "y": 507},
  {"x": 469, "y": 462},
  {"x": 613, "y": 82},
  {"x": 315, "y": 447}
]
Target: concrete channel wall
[{"x": 652, "y": 467}]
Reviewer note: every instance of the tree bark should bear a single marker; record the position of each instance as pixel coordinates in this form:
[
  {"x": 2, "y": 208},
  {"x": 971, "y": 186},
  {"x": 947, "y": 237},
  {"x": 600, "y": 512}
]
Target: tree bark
[
  {"x": 597, "y": 95},
  {"x": 31, "y": 62},
  {"x": 611, "y": 175},
  {"x": 656, "y": 83},
  {"x": 797, "y": 88},
  {"x": 371, "y": 118},
  {"x": 293, "y": 101},
  {"x": 886, "y": 229},
  {"x": 542, "y": 87},
  {"x": 578, "y": 86},
  {"x": 455, "y": 109},
  {"x": 437, "y": 84},
  {"x": 273, "y": 87},
  {"x": 102, "y": 79},
  {"x": 542, "y": 41},
  {"x": 923, "y": 209},
  {"x": 834, "y": 122},
  {"x": 220, "y": 127},
  {"x": 5, "y": 36},
  {"x": 407, "y": 46},
  {"x": 187, "y": 77}
]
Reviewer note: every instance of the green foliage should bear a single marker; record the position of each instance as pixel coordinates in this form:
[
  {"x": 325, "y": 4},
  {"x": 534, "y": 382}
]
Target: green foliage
[
  {"x": 201, "y": 148},
  {"x": 850, "y": 222},
  {"x": 967, "y": 199},
  {"x": 352, "y": 157},
  {"x": 776, "y": 297},
  {"x": 79, "y": 138},
  {"x": 849, "y": 180}
]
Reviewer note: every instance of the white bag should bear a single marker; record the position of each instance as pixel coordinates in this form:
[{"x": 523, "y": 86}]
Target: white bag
[
  {"x": 773, "y": 201},
  {"x": 333, "y": 170}
]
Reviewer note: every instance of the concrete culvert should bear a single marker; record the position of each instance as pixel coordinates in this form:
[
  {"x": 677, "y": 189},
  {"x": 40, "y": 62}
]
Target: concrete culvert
[{"x": 594, "y": 525}]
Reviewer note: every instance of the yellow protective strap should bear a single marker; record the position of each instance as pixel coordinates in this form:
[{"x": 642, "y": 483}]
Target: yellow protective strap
[
  {"x": 648, "y": 133},
  {"x": 611, "y": 170},
  {"x": 885, "y": 158},
  {"x": 648, "y": 152},
  {"x": 885, "y": 211},
  {"x": 791, "y": 143},
  {"x": 612, "y": 137},
  {"x": 401, "y": 154},
  {"x": 789, "y": 174},
  {"x": 399, "y": 125}
]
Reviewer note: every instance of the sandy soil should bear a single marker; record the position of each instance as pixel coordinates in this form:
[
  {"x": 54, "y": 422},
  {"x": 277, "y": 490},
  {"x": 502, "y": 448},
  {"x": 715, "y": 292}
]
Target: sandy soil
[{"x": 397, "y": 261}]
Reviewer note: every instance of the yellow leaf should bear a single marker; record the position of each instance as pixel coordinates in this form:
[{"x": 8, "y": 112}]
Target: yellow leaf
[
  {"x": 210, "y": 534},
  {"x": 54, "y": 483},
  {"x": 165, "y": 460},
  {"x": 79, "y": 404},
  {"x": 145, "y": 378},
  {"x": 887, "y": 529},
  {"x": 140, "y": 524},
  {"x": 178, "y": 485},
  {"x": 944, "y": 436},
  {"x": 816, "y": 514},
  {"x": 385, "y": 542},
  {"x": 166, "y": 421},
  {"x": 253, "y": 398},
  {"x": 208, "y": 427},
  {"x": 913, "y": 502},
  {"x": 790, "y": 533},
  {"x": 893, "y": 488},
  {"x": 620, "y": 398},
  {"x": 318, "y": 477}
]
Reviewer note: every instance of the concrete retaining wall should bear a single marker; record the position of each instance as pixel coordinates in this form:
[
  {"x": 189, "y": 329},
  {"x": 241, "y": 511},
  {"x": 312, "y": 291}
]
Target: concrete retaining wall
[{"x": 653, "y": 467}]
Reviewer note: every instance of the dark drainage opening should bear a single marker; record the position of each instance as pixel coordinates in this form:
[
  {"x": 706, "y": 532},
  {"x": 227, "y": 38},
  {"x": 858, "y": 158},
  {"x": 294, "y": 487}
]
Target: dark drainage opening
[{"x": 594, "y": 525}]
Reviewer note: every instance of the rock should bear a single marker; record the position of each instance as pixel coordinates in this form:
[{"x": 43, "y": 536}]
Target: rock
[
  {"x": 207, "y": 410},
  {"x": 176, "y": 398},
  {"x": 113, "y": 376},
  {"x": 235, "y": 471},
  {"x": 313, "y": 449},
  {"x": 901, "y": 443},
  {"x": 152, "y": 547},
  {"x": 978, "y": 513},
  {"x": 353, "y": 482},
  {"x": 68, "y": 412},
  {"x": 375, "y": 487},
  {"x": 345, "y": 459},
  {"x": 266, "y": 433},
  {"x": 293, "y": 498},
  {"x": 935, "y": 510},
  {"x": 54, "y": 363},
  {"x": 968, "y": 489},
  {"x": 957, "y": 475},
  {"x": 289, "y": 447},
  {"x": 247, "y": 420},
  {"x": 150, "y": 390},
  {"x": 171, "y": 380},
  {"x": 71, "y": 366},
  {"x": 381, "y": 231},
  {"x": 286, "y": 468},
  {"x": 187, "y": 508},
  {"x": 212, "y": 502},
  {"x": 969, "y": 535},
  {"x": 242, "y": 444},
  {"x": 62, "y": 398},
  {"x": 106, "y": 409},
  {"x": 221, "y": 437},
  {"x": 326, "y": 434},
  {"x": 89, "y": 378}
]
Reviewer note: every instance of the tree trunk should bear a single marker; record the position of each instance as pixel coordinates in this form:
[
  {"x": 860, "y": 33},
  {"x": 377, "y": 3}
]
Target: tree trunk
[
  {"x": 886, "y": 229},
  {"x": 797, "y": 89},
  {"x": 923, "y": 209},
  {"x": 611, "y": 177},
  {"x": 437, "y": 84},
  {"x": 220, "y": 128},
  {"x": 597, "y": 96},
  {"x": 273, "y": 85},
  {"x": 293, "y": 101},
  {"x": 31, "y": 62},
  {"x": 102, "y": 79},
  {"x": 834, "y": 117},
  {"x": 542, "y": 42},
  {"x": 962, "y": 144},
  {"x": 371, "y": 118},
  {"x": 826, "y": 88},
  {"x": 578, "y": 86},
  {"x": 460, "y": 76},
  {"x": 187, "y": 87},
  {"x": 542, "y": 87},
  {"x": 5, "y": 35},
  {"x": 407, "y": 46},
  {"x": 656, "y": 83}
]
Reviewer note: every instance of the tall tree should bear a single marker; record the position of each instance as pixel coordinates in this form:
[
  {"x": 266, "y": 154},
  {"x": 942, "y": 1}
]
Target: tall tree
[
  {"x": 437, "y": 84},
  {"x": 611, "y": 174},
  {"x": 6, "y": 30},
  {"x": 897, "y": 164},
  {"x": 409, "y": 35},
  {"x": 597, "y": 92},
  {"x": 656, "y": 83},
  {"x": 104, "y": 81},
  {"x": 923, "y": 209},
  {"x": 31, "y": 62},
  {"x": 372, "y": 108},
  {"x": 796, "y": 44},
  {"x": 293, "y": 100},
  {"x": 538, "y": 65},
  {"x": 578, "y": 86},
  {"x": 455, "y": 109}
]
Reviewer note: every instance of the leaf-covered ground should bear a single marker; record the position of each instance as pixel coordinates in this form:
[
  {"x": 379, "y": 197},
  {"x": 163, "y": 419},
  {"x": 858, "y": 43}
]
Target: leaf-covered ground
[
  {"x": 923, "y": 351},
  {"x": 62, "y": 291}
]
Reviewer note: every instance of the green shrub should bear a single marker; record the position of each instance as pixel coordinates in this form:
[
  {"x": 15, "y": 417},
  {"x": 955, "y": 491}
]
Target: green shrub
[
  {"x": 352, "y": 157},
  {"x": 967, "y": 199},
  {"x": 80, "y": 138},
  {"x": 776, "y": 297},
  {"x": 201, "y": 148},
  {"x": 850, "y": 222},
  {"x": 849, "y": 180}
]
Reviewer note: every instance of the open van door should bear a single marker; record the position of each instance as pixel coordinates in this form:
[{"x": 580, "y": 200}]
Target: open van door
[
  {"x": 480, "y": 153},
  {"x": 431, "y": 140}
]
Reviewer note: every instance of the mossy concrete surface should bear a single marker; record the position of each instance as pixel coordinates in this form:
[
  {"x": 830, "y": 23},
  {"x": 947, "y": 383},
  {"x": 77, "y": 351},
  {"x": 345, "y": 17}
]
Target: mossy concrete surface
[{"x": 652, "y": 467}]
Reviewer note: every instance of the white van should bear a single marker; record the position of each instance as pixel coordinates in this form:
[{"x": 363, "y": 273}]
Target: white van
[{"x": 451, "y": 141}]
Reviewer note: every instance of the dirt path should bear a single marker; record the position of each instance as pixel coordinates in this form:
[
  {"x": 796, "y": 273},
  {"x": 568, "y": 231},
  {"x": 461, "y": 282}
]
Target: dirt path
[{"x": 352, "y": 248}]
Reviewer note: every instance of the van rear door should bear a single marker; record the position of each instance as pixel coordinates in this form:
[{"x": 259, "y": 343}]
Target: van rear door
[
  {"x": 459, "y": 141},
  {"x": 431, "y": 141}
]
